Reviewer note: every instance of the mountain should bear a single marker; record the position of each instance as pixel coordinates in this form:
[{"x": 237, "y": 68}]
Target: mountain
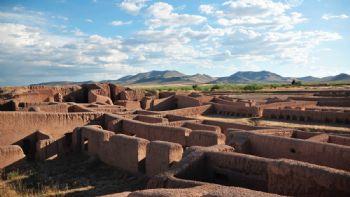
[
  {"x": 253, "y": 77},
  {"x": 340, "y": 77},
  {"x": 163, "y": 77},
  {"x": 309, "y": 79},
  {"x": 59, "y": 83},
  {"x": 175, "y": 77}
]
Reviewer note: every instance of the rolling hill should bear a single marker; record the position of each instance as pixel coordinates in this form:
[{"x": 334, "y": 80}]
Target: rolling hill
[
  {"x": 175, "y": 77},
  {"x": 253, "y": 77}
]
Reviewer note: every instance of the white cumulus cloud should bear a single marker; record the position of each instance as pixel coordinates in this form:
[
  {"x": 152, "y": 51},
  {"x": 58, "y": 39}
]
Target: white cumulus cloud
[{"x": 329, "y": 16}]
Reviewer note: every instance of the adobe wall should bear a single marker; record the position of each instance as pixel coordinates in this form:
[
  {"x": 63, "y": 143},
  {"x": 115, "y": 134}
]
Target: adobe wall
[
  {"x": 163, "y": 104},
  {"x": 14, "y": 126},
  {"x": 230, "y": 125},
  {"x": 326, "y": 101},
  {"x": 334, "y": 103},
  {"x": 184, "y": 101},
  {"x": 198, "y": 126},
  {"x": 102, "y": 89},
  {"x": 79, "y": 108},
  {"x": 205, "y": 99},
  {"x": 125, "y": 152},
  {"x": 180, "y": 123},
  {"x": 48, "y": 107},
  {"x": 118, "y": 150},
  {"x": 145, "y": 112},
  {"x": 229, "y": 102},
  {"x": 335, "y": 139},
  {"x": 10, "y": 154},
  {"x": 308, "y": 115},
  {"x": 132, "y": 95},
  {"x": 208, "y": 190},
  {"x": 133, "y": 105},
  {"x": 109, "y": 109},
  {"x": 172, "y": 117},
  {"x": 205, "y": 138},
  {"x": 240, "y": 170},
  {"x": 166, "y": 94},
  {"x": 292, "y": 104},
  {"x": 155, "y": 132},
  {"x": 190, "y": 111},
  {"x": 284, "y": 132},
  {"x": 115, "y": 91},
  {"x": 161, "y": 155},
  {"x": 150, "y": 119},
  {"x": 332, "y": 155},
  {"x": 30, "y": 97},
  {"x": 237, "y": 111},
  {"x": 94, "y": 96},
  {"x": 293, "y": 178},
  {"x": 281, "y": 176}
]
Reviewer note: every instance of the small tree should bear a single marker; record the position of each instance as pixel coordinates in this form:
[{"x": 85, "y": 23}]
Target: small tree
[
  {"x": 195, "y": 87},
  {"x": 296, "y": 83},
  {"x": 215, "y": 87}
]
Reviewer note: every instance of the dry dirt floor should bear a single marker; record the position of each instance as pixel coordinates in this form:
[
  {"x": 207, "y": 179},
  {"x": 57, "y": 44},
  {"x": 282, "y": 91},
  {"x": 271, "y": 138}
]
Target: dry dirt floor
[
  {"x": 306, "y": 126},
  {"x": 72, "y": 175}
]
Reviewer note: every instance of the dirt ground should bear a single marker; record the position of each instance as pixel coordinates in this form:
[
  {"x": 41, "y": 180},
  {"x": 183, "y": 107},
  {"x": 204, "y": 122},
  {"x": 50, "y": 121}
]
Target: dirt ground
[{"x": 73, "y": 175}]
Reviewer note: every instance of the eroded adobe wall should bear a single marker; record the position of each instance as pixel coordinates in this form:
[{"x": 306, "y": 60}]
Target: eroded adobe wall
[
  {"x": 326, "y": 154},
  {"x": 292, "y": 104},
  {"x": 155, "y": 132},
  {"x": 10, "y": 154},
  {"x": 15, "y": 126},
  {"x": 163, "y": 104},
  {"x": 238, "y": 170},
  {"x": 237, "y": 111},
  {"x": 198, "y": 126},
  {"x": 132, "y": 105},
  {"x": 293, "y": 178},
  {"x": 308, "y": 115},
  {"x": 118, "y": 150},
  {"x": 190, "y": 111},
  {"x": 229, "y": 102},
  {"x": 230, "y": 125},
  {"x": 335, "y": 139},
  {"x": 280, "y": 176},
  {"x": 184, "y": 101},
  {"x": 47, "y": 107},
  {"x": 150, "y": 119}
]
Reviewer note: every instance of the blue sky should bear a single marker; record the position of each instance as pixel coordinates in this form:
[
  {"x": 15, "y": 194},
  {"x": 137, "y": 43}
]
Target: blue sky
[{"x": 78, "y": 40}]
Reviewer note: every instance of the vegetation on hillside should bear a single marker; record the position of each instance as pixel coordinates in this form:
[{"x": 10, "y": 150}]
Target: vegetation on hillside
[{"x": 217, "y": 87}]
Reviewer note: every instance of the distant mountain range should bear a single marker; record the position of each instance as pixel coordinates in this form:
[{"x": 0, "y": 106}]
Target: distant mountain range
[
  {"x": 163, "y": 77},
  {"x": 175, "y": 77}
]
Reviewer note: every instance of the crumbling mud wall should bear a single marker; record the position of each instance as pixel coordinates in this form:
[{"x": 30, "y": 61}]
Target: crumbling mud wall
[
  {"x": 325, "y": 154},
  {"x": 155, "y": 132},
  {"x": 162, "y": 104},
  {"x": 232, "y": 110},
  {"x": 230, "y": 125},
  {"x": 291, "y": 104},
  {"x": 190, "y": 111},
  {"x": 118, "y": 150},
  {"x": 94, "y": 97},
  {"x": 308, "y": 115},
  {"x": 45, "y": 107},
  {"x": 328, "y": 138},
  {"x": 10, "y": 154},
  {"x": 279, "y": 176},
  {"x": 16, "y": 126},
  {"x": 184, "y": 101}
]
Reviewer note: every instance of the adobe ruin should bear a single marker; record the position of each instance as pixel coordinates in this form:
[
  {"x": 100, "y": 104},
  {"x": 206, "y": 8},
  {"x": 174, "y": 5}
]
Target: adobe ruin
[{"x": 164, "y": 136}]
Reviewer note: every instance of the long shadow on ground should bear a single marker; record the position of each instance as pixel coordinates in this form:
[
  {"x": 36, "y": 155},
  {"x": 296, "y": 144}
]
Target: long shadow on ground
[{"x": 73, "y": 175}]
